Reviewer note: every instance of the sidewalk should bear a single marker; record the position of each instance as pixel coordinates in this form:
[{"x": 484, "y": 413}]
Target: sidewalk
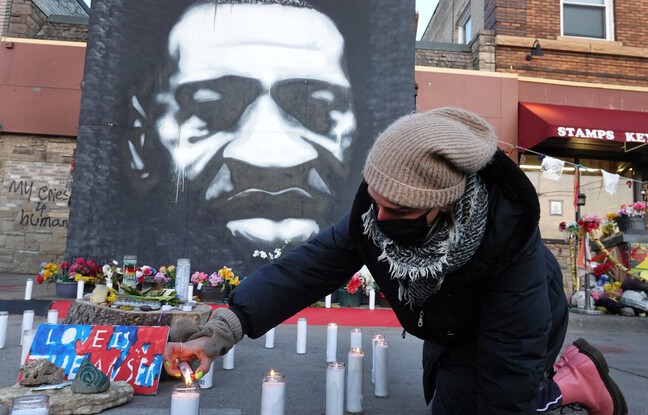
[{"x": 238, "y": 391}]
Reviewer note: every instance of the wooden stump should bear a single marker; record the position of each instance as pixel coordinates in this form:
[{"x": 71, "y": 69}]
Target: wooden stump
[{"x": 84, "y": 312}]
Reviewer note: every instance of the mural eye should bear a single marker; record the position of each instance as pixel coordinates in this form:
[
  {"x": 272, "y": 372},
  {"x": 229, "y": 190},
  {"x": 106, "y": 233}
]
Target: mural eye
[
  {"x": 218, "y": 102},
  {"x": 310, "y": 102}
]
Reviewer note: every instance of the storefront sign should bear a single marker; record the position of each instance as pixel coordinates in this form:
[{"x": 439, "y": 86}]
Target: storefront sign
[{"x": 573, "y": 132}]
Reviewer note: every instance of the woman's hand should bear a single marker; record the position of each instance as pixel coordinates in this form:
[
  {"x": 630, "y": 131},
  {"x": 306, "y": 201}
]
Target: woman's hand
[{"x": 174, "y": 353}]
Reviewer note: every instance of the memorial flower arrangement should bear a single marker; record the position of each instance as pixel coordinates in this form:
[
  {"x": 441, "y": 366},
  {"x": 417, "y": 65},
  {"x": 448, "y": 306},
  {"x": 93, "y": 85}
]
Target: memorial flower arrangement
[
  {"x": 223, "y": 278},
  {"x": 53, "y": 272},
  {"x": 112, "y": 272},
  {"x": 637, "y": 209},
  {"x": 87, "y": 271},
  {"x": 166, "y": 275},
  {"x": 361, "y": 280}
]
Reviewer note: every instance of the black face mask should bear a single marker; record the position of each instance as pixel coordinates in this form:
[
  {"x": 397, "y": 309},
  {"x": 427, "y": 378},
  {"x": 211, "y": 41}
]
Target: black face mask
[{"x": 406, "y": 232}]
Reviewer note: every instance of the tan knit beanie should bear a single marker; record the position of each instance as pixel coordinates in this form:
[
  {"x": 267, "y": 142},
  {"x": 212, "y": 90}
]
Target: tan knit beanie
[{"x": 421, "y": 160}]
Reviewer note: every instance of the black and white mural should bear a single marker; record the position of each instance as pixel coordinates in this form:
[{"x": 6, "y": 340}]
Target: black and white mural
[{"x": 210, "y": 129}]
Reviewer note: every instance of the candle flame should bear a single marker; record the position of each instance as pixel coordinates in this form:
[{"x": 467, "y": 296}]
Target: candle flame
[
  {"x": 272, "y": 372},
  {"x": 186, "y": 372}
]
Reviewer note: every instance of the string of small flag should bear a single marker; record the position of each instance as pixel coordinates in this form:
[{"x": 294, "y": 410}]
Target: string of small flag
[{"x": 551, "y": 168}]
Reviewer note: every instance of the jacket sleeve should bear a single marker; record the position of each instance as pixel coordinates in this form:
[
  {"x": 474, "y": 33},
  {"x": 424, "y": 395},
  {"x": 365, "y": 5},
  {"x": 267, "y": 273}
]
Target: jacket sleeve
[
  {"x": 513, "y": 332},
  {"x": 296, "y": 280}
]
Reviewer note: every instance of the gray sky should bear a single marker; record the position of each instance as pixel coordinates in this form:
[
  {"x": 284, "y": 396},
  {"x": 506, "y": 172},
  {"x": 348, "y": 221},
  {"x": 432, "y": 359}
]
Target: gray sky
[{"x": 425, "y": 9}]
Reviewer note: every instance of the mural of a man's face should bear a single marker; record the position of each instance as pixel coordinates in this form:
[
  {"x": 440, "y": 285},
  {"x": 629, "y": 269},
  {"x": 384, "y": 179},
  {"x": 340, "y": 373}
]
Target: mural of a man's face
[{"x": 257, "y": 113}]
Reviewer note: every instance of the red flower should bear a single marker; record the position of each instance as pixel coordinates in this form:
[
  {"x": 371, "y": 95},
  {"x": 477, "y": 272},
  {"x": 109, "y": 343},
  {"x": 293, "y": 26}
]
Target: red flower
[
  {"x": 65, "y": 265},
  {"x": 40, "y": 279},
  {"x": 562, "y": 226},
  {"x": 354, "y": 284}
]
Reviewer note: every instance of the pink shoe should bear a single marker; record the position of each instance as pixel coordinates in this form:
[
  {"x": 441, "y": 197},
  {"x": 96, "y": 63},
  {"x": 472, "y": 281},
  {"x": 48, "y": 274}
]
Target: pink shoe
[{"x": 583, "y": 379}]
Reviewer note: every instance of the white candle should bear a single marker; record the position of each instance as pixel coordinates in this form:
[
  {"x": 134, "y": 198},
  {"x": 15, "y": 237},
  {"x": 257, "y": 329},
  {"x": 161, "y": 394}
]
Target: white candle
[
  {"x": 354, "y": 394},
  {"x": 27, "y": 340},
  {"x": 80, "y": 286},
  {"x": 52, "y": 316},
  {"x": 327, "y": 301},
  {"x": 190, "y": 294},
  {"x": 273, "y": 393},
  {"x": 4, "y": 320},
  {"x": 269, "y": 339},
  {"x": 382, "y": 385},
  {"x": 372, "y": 299},
  {"x": 34, "y": 411},
  {"x": 185, "y": 400},
  {"x": 356, "y": 338},
  {"x": 331, "y": 342},
  {"x": 301, "y": 335},
  {"x": 109, "y": 283},
  {"x": 207, "y": 381},
  {"x": 375, "y": 338},
  {"x": 335, "y": 388},
  {"x": 27, "y": 322},
  {"x": 187, "y": 308},
  {"x": 228, "y": 359},
  {"x": 29, "y": 287}
]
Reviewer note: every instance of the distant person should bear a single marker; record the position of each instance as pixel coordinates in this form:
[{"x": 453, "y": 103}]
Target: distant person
[{"x": 448, "y": 226}]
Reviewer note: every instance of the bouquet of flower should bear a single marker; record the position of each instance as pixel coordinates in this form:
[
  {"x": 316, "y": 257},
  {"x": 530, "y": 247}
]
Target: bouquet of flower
[
  {"x": 229, "y": 277},
  {"x": 52, "y": 272},
  {"x": 637, "y": 209},
  {"x": 166, "y": 275},
  {"x": 112, "y": 272},
  {"x": 354, "y": 284},
  {"x": 86, "y": 270}
]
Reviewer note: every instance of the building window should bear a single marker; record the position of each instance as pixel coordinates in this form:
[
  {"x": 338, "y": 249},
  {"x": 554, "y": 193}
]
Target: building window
[
  {"x": 464, "y": 29},
  {"x": 588, "y": 18}
]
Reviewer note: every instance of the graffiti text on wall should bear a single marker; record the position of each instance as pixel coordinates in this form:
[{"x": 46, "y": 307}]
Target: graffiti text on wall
[{"x": 39, "y": 204}]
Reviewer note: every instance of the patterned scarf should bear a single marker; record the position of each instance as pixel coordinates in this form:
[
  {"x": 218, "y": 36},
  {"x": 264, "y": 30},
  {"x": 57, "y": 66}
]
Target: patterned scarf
[{"x": 453, "y": 239}]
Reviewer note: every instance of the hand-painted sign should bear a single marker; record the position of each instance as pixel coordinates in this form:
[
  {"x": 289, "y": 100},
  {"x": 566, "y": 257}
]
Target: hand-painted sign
[{"x": 124, "y": 353}]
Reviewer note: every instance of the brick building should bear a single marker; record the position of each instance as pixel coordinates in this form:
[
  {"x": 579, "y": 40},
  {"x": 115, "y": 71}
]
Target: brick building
[
  {"x": 564, "y": 79},
  {"x": 41, "y": 67}
]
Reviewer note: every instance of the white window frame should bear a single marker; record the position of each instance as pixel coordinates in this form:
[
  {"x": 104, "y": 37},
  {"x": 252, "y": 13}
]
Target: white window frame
[
  {"x": 608, "y": 5},
  {"x": 461, "y": 27}
]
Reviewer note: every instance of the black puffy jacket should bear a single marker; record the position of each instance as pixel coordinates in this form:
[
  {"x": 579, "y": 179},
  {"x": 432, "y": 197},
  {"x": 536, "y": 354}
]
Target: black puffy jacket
[{"x": 504, "y": 312}]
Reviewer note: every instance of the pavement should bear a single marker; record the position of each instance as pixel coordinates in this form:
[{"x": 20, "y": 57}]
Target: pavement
[{"x": 238, "y": 391}]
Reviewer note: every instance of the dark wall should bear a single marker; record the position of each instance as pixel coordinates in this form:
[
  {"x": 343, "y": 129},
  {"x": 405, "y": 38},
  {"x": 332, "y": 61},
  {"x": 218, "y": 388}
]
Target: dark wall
[{"x": 131, "y": 195}]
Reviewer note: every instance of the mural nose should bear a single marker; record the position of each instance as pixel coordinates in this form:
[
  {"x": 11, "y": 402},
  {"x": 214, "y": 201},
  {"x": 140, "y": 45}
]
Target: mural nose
[{"x": 267, "y": 138}]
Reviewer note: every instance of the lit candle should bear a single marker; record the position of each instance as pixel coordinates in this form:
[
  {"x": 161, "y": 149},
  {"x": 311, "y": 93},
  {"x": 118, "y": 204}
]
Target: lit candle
[
  {"x": 185, "y": 400},
  {"x": 356, "y": 338},
  {"x": 354, "y": 395},
  {"x": 372, "y": 299},
  {"x": 331, "y": 342},
  {"x": 273, "y": 393},
  {"x": 27, "y": 322},
  {"x": 381, "y": 385},
  {"x": 190, "y": 289},
  {"x": 301, "y": 335},
  {"x": 186, "y": 371},
  {"x": 4, "y": 320},
  {"x": 228, "y": 359},
  {"x": 52, "y": 316},
  {"x": 27, "y": 340},
  {"x": 375, "y": 338},
  {"x": 327, "y": 301},
  {"x": 269, "y": 339},
  {"x": 207, "y": 381},
  {"x": 29, "y": 287},
  {"x": 80, "y": 286},
  {"x": 335, "y": 388}
]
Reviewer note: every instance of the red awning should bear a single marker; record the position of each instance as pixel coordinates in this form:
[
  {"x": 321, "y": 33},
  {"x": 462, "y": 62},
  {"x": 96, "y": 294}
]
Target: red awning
[{"x": 537, "y": 122}]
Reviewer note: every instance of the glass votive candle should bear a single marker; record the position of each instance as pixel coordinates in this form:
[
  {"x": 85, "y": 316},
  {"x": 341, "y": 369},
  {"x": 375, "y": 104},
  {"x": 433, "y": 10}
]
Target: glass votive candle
[
  {"x": 273, "y": 393},
  {"x": 185, "y": 400},
  {"x": 30, "y": 405}
]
